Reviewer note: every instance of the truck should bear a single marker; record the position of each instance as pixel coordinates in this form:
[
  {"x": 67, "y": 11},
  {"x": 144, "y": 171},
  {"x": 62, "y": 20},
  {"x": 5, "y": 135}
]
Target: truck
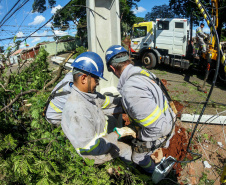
[{"x": 163, "y": 41}]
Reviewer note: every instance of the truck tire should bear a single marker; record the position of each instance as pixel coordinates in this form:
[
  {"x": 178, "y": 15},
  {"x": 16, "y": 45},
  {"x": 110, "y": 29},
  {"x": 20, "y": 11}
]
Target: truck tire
[{"x": 149, "y": 60}]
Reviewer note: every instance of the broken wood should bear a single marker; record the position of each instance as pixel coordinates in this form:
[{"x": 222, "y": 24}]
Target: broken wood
[{"x": 59, "y": 71}]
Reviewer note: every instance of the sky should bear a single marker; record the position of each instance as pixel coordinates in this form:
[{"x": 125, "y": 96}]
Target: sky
[{"x": 31, "y": 21}]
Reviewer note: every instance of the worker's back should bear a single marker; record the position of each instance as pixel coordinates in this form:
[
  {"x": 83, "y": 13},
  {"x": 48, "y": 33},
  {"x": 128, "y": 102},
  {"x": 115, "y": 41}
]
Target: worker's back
[
  {"x": 145, "y": 103},
  {"x": 56, "y": 105}
]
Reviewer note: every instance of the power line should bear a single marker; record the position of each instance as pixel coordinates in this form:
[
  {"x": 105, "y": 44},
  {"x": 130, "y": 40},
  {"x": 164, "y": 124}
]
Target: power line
[
  {"x": 29, "y": 36},
  {"x": 21, "y": 24},
  {"x": 25, "y": 2},
  {"x": 48, "y": 21},
  {"x": 10, "y": 11}
]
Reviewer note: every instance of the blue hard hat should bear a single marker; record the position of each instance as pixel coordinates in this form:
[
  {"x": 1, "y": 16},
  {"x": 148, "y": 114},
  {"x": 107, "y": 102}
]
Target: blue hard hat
[
  {"x": 91, "y": 63},
  {"x": 113, "y": 51}
]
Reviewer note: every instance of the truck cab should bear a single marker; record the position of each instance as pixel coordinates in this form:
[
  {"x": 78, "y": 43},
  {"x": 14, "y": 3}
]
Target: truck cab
[{"x": 160, "y": 41}]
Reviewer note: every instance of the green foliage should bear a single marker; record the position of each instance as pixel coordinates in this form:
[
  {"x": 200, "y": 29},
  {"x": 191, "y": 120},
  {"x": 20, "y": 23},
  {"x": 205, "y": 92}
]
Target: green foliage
[
  {"x": 2, "y": 50},
  {"x": 40, "y": 5},
  {"x": 163, "y": 11},
  {"x": 79, "y": 50},
  {"x": 32, "y": 151},
  {"x": 204, "y": 180}
]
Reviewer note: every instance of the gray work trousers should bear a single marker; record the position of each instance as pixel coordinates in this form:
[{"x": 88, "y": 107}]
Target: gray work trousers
[
  {"x": 144, "y": 160},
  {"x": 119, "y": 149},
  {"x": 200, "y": 44}
]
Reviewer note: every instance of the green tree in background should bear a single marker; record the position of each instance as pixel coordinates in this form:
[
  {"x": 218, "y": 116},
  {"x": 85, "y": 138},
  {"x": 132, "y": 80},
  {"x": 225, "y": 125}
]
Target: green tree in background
[
  {"x": 163, "y": 11},
  {"x": 2, "y": 49},
  {"x": 76, "y": 13},
  {"x": 187, "y": 8},
  {"x": 40, "y": 5},
  {"x": 17, "y": 44}
]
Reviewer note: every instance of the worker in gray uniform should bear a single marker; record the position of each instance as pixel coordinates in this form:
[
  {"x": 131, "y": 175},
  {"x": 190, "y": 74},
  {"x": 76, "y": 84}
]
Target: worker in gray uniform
[
  {"x": 145, "y": 104},
  {"x": 200, "y": 36},
  {"x": 55, "y": 104},
  {"x": 83, "y": 120}
]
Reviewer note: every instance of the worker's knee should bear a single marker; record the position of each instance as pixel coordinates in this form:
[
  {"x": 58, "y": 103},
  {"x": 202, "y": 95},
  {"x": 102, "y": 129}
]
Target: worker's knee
[{"x": 138, "y": 157}]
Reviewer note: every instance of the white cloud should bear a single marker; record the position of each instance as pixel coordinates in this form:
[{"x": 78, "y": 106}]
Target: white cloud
[
  {"x": 60, "y": 33},
  {"x": 20, "y": 34},
  {"x": 36, "y": 39},
  {"x": 75, "y": 32},
  {"x": 54, "y": 9},
  {"x": 139, "y": 10},
  {"x": 38, "y": 20},
  {"x": 22, "y": 45},
  {"x": 48, "y": 25}
]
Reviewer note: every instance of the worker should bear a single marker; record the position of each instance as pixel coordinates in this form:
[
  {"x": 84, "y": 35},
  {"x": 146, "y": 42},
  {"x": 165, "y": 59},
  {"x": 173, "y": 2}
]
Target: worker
[
  {"x": 145, "y": 103},
  {"x": 59, "y": 95},
  {"x": 83, "y": 121},
  {"x": 200, "y": 36}
]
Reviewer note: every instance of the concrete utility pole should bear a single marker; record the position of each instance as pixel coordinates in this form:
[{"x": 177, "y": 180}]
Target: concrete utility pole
[{"x": 104, "y": 31}]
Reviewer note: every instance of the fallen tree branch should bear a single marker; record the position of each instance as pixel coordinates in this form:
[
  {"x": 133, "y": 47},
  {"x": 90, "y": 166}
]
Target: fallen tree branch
[
  {"x": 17, "y": 97},
  {"x": 59, "y": 71},
  {"x": 6, "y": 89}
]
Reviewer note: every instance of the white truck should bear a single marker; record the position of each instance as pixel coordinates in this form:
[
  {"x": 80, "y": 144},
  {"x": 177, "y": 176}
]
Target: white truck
[{"x": 163, "y": 41}]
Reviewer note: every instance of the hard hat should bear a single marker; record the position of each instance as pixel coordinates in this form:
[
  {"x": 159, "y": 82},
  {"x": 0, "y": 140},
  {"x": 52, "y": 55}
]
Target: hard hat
[
  {"x": 113, "y": 51},
  {"x": 91, "y": 63}
]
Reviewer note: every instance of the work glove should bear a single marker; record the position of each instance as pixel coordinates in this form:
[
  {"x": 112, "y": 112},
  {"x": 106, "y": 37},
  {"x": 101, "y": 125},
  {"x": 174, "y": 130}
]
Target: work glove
[{"x": 125, "y": 131}]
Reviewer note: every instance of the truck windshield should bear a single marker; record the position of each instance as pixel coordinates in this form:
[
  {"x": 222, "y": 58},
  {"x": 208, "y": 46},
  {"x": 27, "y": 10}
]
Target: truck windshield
[{"x": 140, "y": 32}]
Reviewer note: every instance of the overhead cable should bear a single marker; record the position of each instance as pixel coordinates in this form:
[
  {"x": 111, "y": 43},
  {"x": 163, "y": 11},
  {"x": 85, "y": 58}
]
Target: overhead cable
[
  {"x": 25, "y": 2},
  {"x": 9, "y": 11}
]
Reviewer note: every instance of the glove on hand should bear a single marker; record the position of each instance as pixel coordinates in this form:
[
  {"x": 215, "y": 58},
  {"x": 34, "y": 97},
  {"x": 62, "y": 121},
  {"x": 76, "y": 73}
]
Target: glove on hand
[{"x": 125, "y": 131}]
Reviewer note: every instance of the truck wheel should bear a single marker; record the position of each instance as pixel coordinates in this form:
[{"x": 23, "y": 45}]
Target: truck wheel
[{"x": 149, "y": 60}]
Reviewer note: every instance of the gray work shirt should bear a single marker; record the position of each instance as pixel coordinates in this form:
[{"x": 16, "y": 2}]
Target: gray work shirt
[
  {"x": 199, "y": 33},
  {"x": 145, "y": 103},
  {"x": 109, "y": 104},
  {"x": 84, "y": 123}
]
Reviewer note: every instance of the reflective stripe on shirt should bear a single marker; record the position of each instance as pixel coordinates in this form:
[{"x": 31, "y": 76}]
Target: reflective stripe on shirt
[
  {"x": 94, "y": 142},
  {"x": 165, "y": 107},
  {"x": 54, "y": 107},
  {"x": 106, "y": 103},
  {"x": 153, "y": 116}
]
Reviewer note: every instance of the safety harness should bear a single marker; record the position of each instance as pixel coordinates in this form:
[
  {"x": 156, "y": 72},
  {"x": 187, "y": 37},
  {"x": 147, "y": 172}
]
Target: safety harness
[
  {"x": 53, "y": 95},
  {"x": 138, "y": 145}
]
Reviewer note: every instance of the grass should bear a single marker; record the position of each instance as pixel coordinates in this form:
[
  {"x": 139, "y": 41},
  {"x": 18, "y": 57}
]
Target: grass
[
  {"x": 204, "y": 180},
  {"x": 184, "y": 84}
]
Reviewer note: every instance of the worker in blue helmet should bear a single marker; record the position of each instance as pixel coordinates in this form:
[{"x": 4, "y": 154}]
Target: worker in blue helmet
[
  {"x": 90, "y": 64},
  {"x": 83, "y": 120},
  {"x": 146, "y": 105}
]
